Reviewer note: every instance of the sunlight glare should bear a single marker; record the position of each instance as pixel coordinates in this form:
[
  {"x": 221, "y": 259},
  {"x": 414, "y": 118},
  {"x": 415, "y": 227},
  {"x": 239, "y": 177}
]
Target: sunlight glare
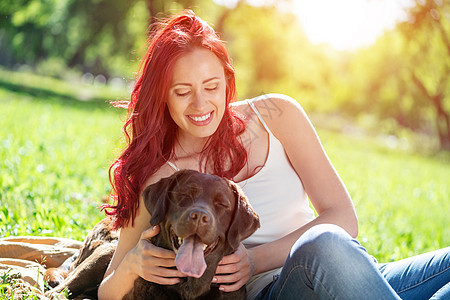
[
  {"x": 344, "y": 24},
  {"x": 348, "y": 24}
]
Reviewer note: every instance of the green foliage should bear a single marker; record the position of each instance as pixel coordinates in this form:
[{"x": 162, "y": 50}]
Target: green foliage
[
  {"x": 405, "y": 75},
  {"x": 272, "y": 54},
  {"x": 12, "y": 287},
  {"x": 94, "y": 35}
]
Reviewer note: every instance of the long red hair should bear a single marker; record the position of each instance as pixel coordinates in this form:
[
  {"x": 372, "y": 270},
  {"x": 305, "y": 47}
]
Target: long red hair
[{"x": 150, "y": 131}]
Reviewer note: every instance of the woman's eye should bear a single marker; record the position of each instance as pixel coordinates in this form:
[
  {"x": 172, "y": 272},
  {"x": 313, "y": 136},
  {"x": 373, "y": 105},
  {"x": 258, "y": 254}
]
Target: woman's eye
[
  {"x": 182, "y": 93},
  {"x": 212, "y": 87}
]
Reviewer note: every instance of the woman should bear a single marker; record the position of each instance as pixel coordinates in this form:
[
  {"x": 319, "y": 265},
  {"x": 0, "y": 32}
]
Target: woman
[{"x": 181, "y": 117}]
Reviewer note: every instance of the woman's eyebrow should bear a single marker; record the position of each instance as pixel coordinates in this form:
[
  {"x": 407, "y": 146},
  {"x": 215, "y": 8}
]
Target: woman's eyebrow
[
  {"x": 210, "y": 79},
  {"x": 204, "y": 81}
]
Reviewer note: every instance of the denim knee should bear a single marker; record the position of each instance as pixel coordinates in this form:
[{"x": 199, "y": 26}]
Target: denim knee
[
  {"x": 325, "y": 243},
  {"x": 327, "y": 263}
]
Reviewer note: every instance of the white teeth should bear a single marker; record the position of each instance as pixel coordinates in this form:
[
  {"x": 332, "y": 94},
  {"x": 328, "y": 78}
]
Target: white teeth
[
  {"x": 180, "y": 241},
  {"x": 202, "y": 118},
  {"x": 204, "y": 247}
]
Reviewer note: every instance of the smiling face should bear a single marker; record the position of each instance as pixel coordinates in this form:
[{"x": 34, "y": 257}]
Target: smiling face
[{"x": 197, "y": 94}]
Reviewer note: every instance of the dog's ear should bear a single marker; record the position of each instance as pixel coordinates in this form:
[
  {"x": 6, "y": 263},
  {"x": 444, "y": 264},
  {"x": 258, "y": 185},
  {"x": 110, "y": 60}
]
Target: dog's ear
[
  {"x": 245, "y": 221},
  {"x": 156, "y": 199}
]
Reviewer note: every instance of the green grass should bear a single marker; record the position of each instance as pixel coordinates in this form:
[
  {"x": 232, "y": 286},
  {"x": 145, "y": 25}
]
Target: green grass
[
  {"x": 402, "y": 199},
  {"x": 56, "y": 149},
  {"x": 55, "y": 153}
]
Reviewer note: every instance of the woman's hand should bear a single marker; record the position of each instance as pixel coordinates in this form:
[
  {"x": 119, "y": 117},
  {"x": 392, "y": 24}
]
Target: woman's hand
[
  {"x": 238, "y": 267},
  {"x": 152, "y": 263}
]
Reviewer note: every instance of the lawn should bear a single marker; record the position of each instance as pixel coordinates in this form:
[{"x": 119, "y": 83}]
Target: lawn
[
  {"x": 57, "y": 142},
  {"x": 55, "y": 153}
]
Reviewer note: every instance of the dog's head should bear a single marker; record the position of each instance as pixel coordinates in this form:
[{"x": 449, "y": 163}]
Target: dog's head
[{"x": 199, "y": 213}]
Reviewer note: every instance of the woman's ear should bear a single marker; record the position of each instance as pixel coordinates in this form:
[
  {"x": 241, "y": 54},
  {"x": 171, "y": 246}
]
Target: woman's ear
[{"x": 245, "y": 220}]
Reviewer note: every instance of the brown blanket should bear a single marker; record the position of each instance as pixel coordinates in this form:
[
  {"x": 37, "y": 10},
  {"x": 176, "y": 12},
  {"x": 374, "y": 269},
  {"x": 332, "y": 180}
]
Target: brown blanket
[{"x": 25, "y": 259}]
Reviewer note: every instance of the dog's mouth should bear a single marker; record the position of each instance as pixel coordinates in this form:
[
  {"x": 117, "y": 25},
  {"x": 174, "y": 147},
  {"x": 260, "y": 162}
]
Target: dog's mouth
[
  {"x": 190, "y": 254},
  {"x": 177, "y": 242}
]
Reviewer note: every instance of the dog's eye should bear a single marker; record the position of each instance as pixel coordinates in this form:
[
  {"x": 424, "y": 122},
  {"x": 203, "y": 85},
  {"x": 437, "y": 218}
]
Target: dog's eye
[
  {"x": 181, "y": 199},
  {"x": 185, "y": 199},
  {"x": 220, "y": 202}
]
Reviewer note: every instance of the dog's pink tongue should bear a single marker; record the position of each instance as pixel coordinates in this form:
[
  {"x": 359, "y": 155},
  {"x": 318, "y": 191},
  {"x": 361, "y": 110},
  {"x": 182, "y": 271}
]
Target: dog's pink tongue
[{"x": 190, "y": 259}]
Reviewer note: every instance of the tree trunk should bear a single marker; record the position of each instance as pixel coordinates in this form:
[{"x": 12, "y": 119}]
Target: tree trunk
[
  {"x": 442, "y": 119},
  {"x": 442, "y": 123}
]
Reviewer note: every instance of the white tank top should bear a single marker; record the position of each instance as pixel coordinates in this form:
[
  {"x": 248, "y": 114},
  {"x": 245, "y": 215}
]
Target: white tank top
[{"x": 276, "y": 193}]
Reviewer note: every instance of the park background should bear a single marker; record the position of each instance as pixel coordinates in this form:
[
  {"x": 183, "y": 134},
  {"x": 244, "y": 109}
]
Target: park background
[{"x": 381, "y": 109}]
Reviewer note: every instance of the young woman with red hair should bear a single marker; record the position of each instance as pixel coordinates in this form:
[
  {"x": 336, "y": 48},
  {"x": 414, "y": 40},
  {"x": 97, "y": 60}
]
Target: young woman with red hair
[{"x": 182, "y": 116}]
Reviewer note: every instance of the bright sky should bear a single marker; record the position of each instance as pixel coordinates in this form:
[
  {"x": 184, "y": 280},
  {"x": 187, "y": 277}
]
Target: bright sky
[
  {"x": 348, "y": 24},
  {"x": 344, "y": 24}
]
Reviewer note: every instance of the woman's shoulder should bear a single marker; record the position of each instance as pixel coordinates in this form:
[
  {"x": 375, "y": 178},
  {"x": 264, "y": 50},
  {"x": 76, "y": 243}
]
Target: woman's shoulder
[
  {"x": 272, "y": 105},
  {"x": 141, "y": 221},
  {"x": 164, "y": 171},
  {"x": 277, "y": 110},
  {"x": 283, "y": 115}
]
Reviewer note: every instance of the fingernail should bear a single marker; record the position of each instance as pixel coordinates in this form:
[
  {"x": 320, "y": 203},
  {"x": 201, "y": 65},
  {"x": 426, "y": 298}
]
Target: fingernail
[
  {"x": 214, "y": 279},
  {"x": 222, "y": 289}
]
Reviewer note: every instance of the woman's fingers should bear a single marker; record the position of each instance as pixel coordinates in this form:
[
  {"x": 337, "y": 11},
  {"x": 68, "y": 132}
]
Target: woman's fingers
[
  {"x": 156, "y": 264},
  {"x": 232, "y": 287},
  {"x": 162, "y": 280},
  {"x": 231, "y": 282},
  {"x": 228, "y": 269},
  {"x": 234, "y": 270},
  {"x": 149, "y": 233},
  {"x": 161, "y": 272},
  {"x": 153, "y": 251}
]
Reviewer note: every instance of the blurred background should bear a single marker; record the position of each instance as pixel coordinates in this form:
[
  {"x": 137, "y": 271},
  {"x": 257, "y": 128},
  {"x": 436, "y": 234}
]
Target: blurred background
[{"x": 359, "y": 66}]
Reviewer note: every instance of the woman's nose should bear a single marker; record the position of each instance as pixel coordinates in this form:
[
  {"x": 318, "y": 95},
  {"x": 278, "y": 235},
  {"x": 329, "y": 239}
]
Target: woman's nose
[{"x": 199, "y": 101}]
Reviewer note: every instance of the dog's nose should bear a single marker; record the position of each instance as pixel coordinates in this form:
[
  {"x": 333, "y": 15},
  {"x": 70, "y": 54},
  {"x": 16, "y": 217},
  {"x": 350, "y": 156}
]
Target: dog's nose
[{"x": 200, "y": 217}]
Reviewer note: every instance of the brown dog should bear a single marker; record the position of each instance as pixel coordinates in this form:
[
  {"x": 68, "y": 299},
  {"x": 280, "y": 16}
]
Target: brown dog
[
  {"x": 194, "y": 210},
  {"x": 202, "y": 218},
  {"x": 83, "y": 276}
]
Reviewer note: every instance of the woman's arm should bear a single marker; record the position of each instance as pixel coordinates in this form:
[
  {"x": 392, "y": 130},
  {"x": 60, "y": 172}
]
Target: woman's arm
[
  {"x": 135, "y": 257},
  {"x": 119, "y": 276},
  {"x": 323, "y": 185}
]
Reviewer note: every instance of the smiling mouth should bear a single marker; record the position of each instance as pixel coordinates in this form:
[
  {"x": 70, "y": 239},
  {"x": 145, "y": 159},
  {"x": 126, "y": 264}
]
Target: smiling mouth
[{"x": 202, "y": 118}]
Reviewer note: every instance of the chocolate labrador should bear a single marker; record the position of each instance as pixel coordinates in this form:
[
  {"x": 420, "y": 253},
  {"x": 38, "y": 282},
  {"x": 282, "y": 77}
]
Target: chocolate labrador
[{"x": 202, "y": 218}]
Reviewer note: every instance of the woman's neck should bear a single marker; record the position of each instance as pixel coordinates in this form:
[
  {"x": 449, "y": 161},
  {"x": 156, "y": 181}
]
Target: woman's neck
[{"x": 187, "y": 151}]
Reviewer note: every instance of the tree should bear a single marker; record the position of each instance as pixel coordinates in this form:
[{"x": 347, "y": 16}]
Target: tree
[
  {"x": 405, "y": 74},
  {"x": 81, "y": 33},
  {"x": 98, "y": 36},
  {"x": 427, "y": 44}
]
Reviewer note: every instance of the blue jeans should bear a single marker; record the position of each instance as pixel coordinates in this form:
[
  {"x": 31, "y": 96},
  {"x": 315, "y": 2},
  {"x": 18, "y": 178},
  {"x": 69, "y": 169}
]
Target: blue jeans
[{"x": 327, "y": 263}]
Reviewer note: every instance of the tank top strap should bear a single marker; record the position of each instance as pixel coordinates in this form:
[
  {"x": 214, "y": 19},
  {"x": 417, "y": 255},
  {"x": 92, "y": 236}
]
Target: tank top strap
[
  {"x": 172, "y": 165},
  {"x": 250, "y": 102}
]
